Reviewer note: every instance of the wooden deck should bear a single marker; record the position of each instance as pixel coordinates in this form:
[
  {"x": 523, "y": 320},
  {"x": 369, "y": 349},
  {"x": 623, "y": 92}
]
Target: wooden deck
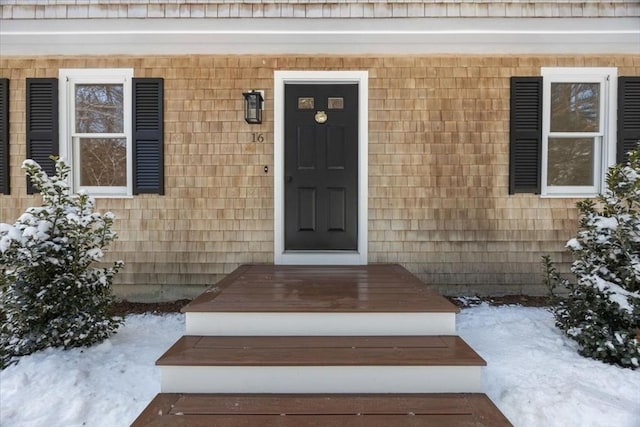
[
  {"x": 299, "y": 346},
  {"x": 327, "y": 410},
  {"x": 307, "y": 289}
]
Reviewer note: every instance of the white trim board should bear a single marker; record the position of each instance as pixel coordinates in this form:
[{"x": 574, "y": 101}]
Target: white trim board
[
  {"x": 321, "y": 379},
  {"x": 319, "y": 324},
  {"x": 358, "y": 257},
  {"x": 26, "y": 37}
]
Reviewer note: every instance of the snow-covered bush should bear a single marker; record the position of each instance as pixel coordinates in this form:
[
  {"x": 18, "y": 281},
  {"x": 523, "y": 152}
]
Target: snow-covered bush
[
  {"x": 52, "y": 294},
  {"x": 602, "y": 309}
]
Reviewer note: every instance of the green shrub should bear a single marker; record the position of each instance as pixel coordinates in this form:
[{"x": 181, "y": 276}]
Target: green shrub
[
  {"x": 52, "y": 294},
  {"x": 601, "y": 310}
]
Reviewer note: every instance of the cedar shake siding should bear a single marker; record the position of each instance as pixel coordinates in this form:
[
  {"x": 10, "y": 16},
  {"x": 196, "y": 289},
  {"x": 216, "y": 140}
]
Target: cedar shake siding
[
  {"x": 441, "y": 167},
  {"x": 315, "y": 9}
]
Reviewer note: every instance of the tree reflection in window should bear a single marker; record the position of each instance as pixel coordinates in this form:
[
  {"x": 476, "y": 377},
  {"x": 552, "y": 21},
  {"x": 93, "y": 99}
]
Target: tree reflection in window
[
  {"x": 103, "y": 162},
  {"x": 574, "y": 127},
  {"x": 570, "y": 161},
  {"x": 575, "y": 107},
  {"x": 102, "y": 146}
]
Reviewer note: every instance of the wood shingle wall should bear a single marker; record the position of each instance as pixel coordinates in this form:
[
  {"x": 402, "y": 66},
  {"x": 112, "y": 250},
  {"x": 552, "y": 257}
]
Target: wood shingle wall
[
  {"x": 100, "y": 9},
  {"x": 438, "y": 170}
]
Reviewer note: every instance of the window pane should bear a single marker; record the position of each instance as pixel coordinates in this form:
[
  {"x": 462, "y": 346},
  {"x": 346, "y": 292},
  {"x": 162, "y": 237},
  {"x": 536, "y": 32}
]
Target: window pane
[
  {"x": 570, "y": 161},
  {"x": 99, "y": 108},
  {"x": 305, "y": 103},
  {"x": 103, "y": 162},
  {"x": 335, "y": 103},
  {"x": 575, "y": 107}
]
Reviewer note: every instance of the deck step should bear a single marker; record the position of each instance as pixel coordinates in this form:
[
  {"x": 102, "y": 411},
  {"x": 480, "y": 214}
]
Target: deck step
[
  {"x": 294, "y": 300},
  {"x": 358, "y": 364},
  {"x": 362, "y": 410}
]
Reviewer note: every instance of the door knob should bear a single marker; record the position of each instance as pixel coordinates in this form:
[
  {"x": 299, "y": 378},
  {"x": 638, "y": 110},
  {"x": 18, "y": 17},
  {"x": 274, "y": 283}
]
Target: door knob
[{"x": 289, "y": 178}]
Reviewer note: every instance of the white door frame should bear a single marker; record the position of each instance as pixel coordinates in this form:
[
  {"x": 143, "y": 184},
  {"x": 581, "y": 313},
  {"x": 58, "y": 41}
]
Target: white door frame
[{"x": 359, "y": 256}]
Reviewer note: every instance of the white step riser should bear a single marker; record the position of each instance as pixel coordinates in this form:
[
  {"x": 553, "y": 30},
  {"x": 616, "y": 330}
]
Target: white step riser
[
  {"x": 321, "y": 379},
  {"x": 320, "y": 324}
]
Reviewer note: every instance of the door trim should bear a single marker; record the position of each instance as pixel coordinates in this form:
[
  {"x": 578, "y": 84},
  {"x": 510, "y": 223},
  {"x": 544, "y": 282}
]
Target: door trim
[{"x": 359, "y": 256}]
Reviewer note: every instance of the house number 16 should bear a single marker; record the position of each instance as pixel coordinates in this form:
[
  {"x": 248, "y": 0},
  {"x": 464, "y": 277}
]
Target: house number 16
[{"x": 258, "y": 137}]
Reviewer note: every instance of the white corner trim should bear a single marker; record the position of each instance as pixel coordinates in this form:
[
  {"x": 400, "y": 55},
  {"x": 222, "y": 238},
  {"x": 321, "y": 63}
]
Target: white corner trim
[{"x": 358, "y": 257}]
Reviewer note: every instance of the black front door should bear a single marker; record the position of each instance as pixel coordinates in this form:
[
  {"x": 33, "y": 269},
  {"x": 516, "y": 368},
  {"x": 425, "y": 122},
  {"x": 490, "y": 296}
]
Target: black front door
[{"x": 321, "y": 167}]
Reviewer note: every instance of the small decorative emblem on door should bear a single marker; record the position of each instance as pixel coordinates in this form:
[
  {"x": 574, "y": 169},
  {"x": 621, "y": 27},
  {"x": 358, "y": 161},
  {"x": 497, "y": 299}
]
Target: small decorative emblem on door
[{"x": 321, "y": 117}]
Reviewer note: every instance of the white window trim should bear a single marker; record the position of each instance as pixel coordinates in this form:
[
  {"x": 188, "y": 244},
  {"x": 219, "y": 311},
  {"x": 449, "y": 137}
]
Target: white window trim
[
  {"x": 67, "y": 77},
  {"x": 605, "y": 157},
  {"x": 358, "y": 257}
]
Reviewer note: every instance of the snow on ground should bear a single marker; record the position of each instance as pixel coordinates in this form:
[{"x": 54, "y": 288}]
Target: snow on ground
[
  {"x": 534, "y": 375},
  {"x": 105, "y": 385}
]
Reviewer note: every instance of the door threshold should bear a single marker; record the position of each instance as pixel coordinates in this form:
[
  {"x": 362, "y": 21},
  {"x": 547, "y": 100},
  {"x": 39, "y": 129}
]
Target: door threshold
[
  {"x": 321, "y": 258},
  {"x": 317, "y": 252}
]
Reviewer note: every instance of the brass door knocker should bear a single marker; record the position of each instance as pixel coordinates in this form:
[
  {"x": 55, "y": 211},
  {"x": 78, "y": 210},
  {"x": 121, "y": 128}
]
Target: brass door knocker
[{"x": 321, "y": 117}]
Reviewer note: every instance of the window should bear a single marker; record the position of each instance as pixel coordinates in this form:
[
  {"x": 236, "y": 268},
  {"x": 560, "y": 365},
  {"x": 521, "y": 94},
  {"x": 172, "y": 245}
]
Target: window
[
  {"x": 94, "y": 120},
  {"x": 95, "y": 106},
  {"x": 578, "y": 129}
]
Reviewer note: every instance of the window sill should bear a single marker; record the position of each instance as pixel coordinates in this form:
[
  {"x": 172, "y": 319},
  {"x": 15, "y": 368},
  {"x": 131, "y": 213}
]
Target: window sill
[
  {"x": 568, "y": 196},
  {"x": 111, "y": 196}
]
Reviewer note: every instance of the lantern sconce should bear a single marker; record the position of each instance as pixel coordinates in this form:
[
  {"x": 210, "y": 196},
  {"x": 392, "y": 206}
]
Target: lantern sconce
[{"x": 253, "y": 106}]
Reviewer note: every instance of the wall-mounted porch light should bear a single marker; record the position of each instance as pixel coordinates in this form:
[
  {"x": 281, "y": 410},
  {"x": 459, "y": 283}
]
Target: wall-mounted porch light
[{"x": 253, "y": 107}]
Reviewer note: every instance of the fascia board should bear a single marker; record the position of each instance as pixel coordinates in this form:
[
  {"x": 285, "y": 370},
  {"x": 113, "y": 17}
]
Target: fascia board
[{"x": 320, "y": 36}]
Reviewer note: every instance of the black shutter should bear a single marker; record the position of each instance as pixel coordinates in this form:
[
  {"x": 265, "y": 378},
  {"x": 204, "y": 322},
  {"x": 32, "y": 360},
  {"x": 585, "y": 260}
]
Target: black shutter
[
  {"x": 42, "y": 124},
  {"x": 148, "y": 135},
  {"x": 525, "y": 135},
  {"x": 628, "y": 116},
  {"x": 4, "y": 136}
]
